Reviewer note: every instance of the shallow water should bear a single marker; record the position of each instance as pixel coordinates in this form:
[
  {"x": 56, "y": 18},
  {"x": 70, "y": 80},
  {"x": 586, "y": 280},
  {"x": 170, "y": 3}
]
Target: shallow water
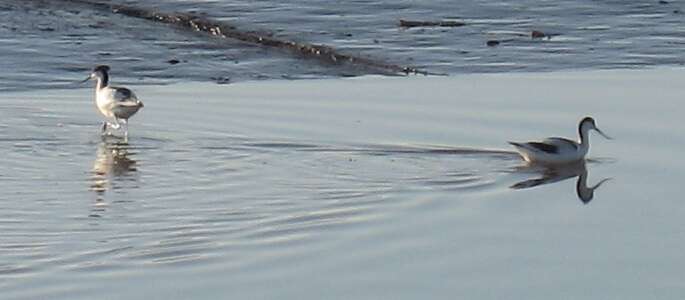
[
  {"x": 65, "y": 41},
  {"x": 364, "y": 188}
]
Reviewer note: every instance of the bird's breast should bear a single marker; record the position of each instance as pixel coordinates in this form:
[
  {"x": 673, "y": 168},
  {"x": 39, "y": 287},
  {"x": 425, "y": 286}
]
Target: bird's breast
[{"x": 104, "y": 102}]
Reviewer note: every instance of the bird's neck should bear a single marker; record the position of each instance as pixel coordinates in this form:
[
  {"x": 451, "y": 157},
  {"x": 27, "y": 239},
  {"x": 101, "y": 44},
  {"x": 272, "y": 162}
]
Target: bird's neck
[
  {"x": 584, "y": 192},
  {"x": 100, "y": 84},
  {"x": 103, "y": 81},
  {"x": 584, "y": 137}
]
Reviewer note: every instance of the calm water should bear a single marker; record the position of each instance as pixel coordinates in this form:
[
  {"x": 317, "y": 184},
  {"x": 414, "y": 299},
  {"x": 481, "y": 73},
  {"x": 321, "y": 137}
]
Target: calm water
[
  {"x": 369, "y": 187},
  {"x": 340, "y": 189},
  {"x": 64, "y": 41}
]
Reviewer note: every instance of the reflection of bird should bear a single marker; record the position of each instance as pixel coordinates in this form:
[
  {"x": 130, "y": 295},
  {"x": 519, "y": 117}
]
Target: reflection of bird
[
  {"x": 584, "y": 192},
  {"x": 551, "y": 174},
  {"x": 112, "y": 160},
  {"x": 559, "y": 150},
  {"x": 116, "y": 103}
]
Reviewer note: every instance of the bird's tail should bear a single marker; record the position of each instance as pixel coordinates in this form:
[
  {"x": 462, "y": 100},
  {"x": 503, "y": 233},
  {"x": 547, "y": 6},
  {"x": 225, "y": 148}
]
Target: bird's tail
[{"x": 515, "y": 144}]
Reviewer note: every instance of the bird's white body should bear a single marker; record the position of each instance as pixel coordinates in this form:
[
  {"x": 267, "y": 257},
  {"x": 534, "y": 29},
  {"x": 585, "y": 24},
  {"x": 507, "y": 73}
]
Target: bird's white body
[
  {"x": 116, "y": 103},
  {"x": 567, "y": 151},
  {"x": 559, "y": 150}
]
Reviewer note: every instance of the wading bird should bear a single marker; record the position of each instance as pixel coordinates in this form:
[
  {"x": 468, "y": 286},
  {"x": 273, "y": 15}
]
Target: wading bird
[{"x": 116, "y": 103}]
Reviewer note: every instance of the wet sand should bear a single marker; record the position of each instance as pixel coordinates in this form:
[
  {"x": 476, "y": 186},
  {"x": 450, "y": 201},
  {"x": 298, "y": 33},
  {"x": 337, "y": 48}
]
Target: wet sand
[{"x": 349, "y": 188}]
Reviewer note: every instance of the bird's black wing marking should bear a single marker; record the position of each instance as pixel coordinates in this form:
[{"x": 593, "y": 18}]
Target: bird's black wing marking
[
  {"x": 123, "y": 94},
  {"x": 544, "y": 147},
  {"x": 568, "y": 142}
]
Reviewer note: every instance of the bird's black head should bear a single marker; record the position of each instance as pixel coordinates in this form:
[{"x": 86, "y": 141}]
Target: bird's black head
[
  {"x": 585, "y": 125},
  {"x": 588, "y": 120},
  {"x": 101, "y": 68},
  {"x": 588, "y": 124},
  {"x": 101, "y": 73}
]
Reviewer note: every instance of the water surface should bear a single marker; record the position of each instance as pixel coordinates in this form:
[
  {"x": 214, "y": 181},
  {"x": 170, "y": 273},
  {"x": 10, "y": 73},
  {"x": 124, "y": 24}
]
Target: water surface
[{"x": 357, "y": 188}]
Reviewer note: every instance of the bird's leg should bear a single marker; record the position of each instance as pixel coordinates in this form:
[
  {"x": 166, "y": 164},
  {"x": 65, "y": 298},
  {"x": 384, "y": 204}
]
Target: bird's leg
[
  {"x": 115, "y": 125},
  {"x": 125, "y": 122},
  {"x": 104, "y": 127}
]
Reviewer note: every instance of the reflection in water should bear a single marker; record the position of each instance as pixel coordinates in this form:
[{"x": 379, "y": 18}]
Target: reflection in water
[
  {"x": 551, "y": 174},
  {"x": 113, "y": 163}
]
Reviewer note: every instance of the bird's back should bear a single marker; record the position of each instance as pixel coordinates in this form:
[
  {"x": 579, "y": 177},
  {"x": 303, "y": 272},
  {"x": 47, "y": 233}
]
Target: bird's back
[
  {"x": 122, "y": 94},
  {"x": 118, "y": 102},
  {"x": 562, "y": 144},
  {"x": 550, "y": 150}
]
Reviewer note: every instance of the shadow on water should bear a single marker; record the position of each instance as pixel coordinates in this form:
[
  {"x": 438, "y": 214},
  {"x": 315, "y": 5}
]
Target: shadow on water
[
  {"x": 552, "y": 174},
  {"x": 114, "y": 163}
]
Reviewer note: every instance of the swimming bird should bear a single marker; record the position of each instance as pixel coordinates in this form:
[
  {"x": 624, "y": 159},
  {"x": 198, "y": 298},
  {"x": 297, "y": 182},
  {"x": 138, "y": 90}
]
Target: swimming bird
[
  {"x": 116, "y": 103},
  {"x": 557, "y": 150}
]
